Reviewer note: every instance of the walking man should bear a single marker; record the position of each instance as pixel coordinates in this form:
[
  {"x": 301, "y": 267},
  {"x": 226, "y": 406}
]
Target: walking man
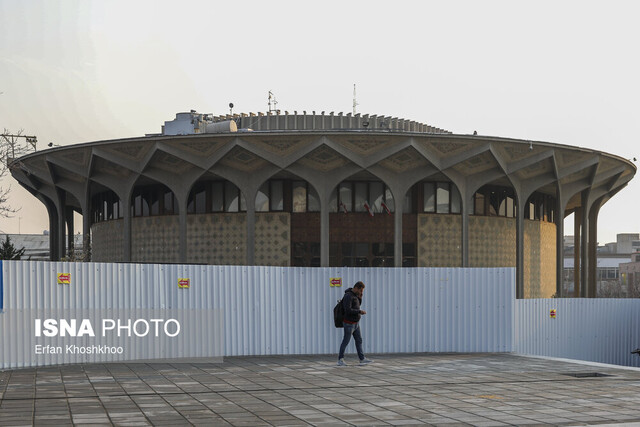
[{"x": 352, "y": 313}]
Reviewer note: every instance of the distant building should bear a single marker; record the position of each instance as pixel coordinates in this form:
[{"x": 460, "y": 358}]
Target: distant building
[
  {"x": 608, "y": 271},
  {"x": 627, "y": 243},
  {"x": 610, "y": 259},
  {"x": 568, "y": 242},
  {"x": 37, "y": 245},
  {"x": 630, "y": 276}
]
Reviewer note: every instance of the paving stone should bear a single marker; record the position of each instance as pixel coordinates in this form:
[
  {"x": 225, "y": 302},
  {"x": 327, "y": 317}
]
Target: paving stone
[{"x": 438, "y": 389}]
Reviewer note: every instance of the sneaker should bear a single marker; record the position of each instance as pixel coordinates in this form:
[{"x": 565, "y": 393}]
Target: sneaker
[
  {"x": 341, "y": 362},
  {"x": 365, "y": 361}
]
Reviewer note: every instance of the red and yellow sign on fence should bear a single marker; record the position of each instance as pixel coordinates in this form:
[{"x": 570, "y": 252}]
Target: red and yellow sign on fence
[
  {"x": 64, "y": 278},
  {"x": 184, "y": 283},
  {"x": 335, "y": 282}
]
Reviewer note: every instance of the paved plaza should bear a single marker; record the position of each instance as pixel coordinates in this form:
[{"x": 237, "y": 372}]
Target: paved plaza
[{"x": 406, "y": 389}]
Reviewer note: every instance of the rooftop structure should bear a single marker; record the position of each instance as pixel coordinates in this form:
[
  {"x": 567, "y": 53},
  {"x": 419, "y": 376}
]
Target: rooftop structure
[{"x": 196, "y": 123}]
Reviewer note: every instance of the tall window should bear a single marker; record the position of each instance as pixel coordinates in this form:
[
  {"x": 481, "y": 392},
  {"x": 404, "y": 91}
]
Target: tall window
[
  {"x": 305, "y": 198},
  {"x": 376, "y": 195},
  {"x": 540, "y": 207},
  {"x": 198, "y": 198},
  {"x": 224, "y": 196},
  {"x": 479, "y": 204},
  {"x": 270, "y": 196},
  {"x": 262, "y": 198},
  {"x": 408, "y": 202},
  {"x": 154, "y": 203},
  {"x": 494, "y": 201},
  {"x": 441, "y": 197},
  {"x": 105, "y": 206},
  {"x": 276, "y": 196},
  {"x": 233, "y": 198},
  {"x": 169, "y": 203},
  {"x": 345, "y": 197},
  {"x": 153, "y": 200},
  {"x": 500, "y": 201},
  {"x": 429, "y": 197},
  {"x": 215, "y": 196},
  {"x": 356, "y": 196},
  {"x": 361, "y": 196}
]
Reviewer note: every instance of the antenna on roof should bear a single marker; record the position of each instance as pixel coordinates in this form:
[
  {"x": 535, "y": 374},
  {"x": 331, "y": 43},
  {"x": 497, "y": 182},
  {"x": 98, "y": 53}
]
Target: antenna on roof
[
  {"x": 354, "y": 99},
  {"x": 272, "y": 103}
]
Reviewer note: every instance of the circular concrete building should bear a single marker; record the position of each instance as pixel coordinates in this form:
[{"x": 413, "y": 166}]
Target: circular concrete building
[{"x": 328, "y": 190}]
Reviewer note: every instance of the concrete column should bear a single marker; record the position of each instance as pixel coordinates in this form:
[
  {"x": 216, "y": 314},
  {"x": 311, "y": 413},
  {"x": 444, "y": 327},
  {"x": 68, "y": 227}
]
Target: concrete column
[
  {"x": 61, "y": 234},
  {"x": 559, "y": 220},
  {"x": 584, "y": 247},
  {"x": 520, "y": 249},
  {"x": 70, "y": 230},
  {"x": 62, "y": 226},
  {"x": 592, "y": 285},
  {"x": 126, "y": 241},
  {"x": 467, "y": 206},
  {"x": 86, "y": 229},
  {"x": 397, "y": 234},
  {"x": 324, "y": 230},
  {"x": 251, "y": 227},
  {"x": 182, "y": 227},
  {"x": 53, "y": 232},
  {"x": 577, "y": 227}
]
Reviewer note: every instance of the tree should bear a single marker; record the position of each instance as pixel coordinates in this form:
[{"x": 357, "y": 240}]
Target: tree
[
  {"x": 610, "y": 289},
  {"x": 12, "y": 146},
  {"x": 77, "y": 255},
  {"x": 9, "y": 251},
  {"x": 634, "y": 285}
]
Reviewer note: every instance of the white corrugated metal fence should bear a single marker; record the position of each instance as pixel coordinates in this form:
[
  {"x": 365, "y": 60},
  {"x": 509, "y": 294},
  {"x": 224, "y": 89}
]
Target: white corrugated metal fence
[
  {"x": 237, "y": 310},
  {"x": 272, "y": 310},
  {"x": 598, "y": 330}
]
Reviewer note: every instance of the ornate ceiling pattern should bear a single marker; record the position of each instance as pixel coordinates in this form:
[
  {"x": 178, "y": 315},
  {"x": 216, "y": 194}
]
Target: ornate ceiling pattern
[
  {"x": 132, "y": 150},
  {"x": 364, "y": 145},
  {"x": 198, "y": 147},
  {"x": 105, "y": 167},
  {"x": 282, "y": 146},
  {"x": 404, "y": 161},
  {"x": 323, "y": 159},
  {"x": 243, "y": 160},
  {"x": 168, "y": 163}
]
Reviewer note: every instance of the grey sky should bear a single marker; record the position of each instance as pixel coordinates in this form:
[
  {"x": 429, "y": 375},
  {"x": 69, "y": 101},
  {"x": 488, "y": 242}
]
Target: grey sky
[{"x": 563, "y": 72}]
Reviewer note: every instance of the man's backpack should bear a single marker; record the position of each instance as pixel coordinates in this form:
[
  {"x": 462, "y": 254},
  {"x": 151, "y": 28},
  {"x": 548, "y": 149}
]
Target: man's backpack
[{"x": 338, "y": 314}]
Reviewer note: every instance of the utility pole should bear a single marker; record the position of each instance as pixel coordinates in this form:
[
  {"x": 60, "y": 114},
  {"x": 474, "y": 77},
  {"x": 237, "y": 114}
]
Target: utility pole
[
  {"x": 354, "y": 99},
  {"x": 273, "y": 104}
]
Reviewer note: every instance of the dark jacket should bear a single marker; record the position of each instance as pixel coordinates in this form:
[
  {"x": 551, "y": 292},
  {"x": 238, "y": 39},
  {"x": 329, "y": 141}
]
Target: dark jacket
[{"x": 351, "y": 303}]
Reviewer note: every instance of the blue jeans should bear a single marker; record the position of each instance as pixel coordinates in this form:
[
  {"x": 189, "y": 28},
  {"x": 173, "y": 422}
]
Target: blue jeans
[{"x": 357, "y": 337}]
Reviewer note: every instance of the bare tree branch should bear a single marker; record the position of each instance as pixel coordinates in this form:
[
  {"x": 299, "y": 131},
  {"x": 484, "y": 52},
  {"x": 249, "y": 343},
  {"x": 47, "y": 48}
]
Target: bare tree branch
[{"x": 12, "y": 146}]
